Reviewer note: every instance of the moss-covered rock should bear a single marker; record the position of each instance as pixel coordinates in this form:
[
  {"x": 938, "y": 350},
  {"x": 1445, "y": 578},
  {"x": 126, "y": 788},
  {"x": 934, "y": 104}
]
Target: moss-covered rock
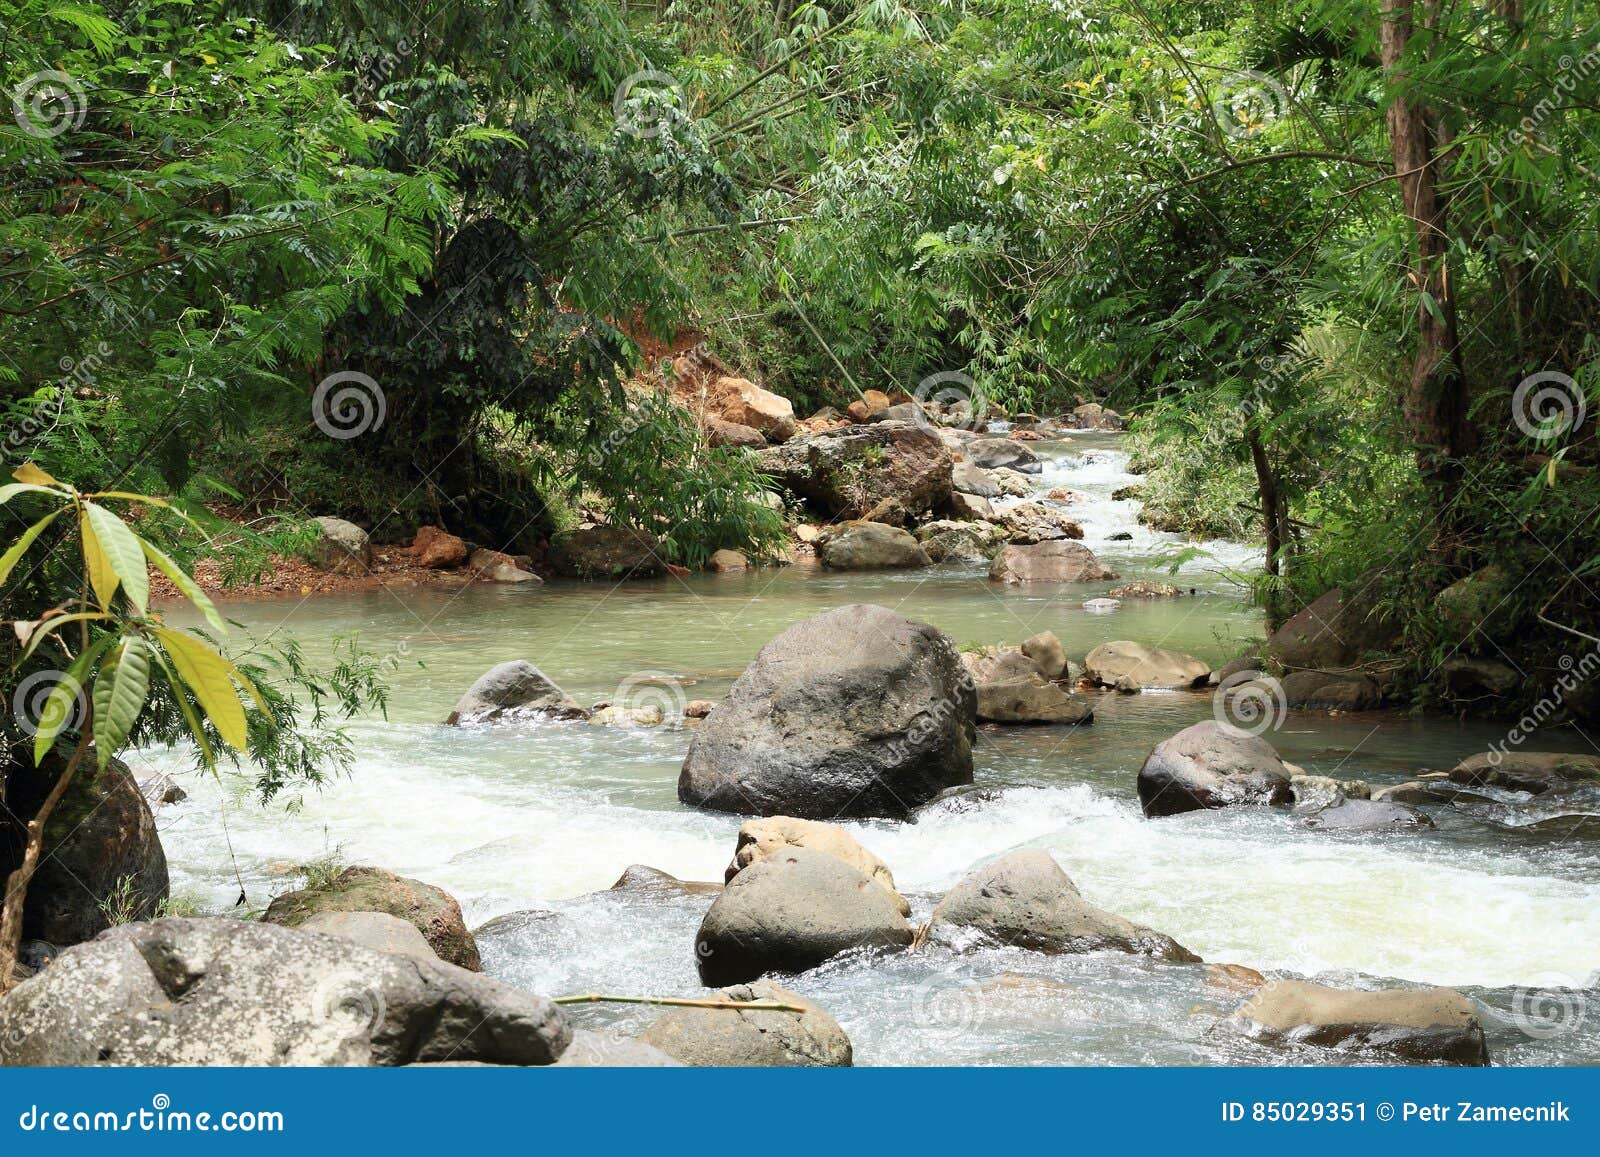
[{"x": 433, "y": 911}]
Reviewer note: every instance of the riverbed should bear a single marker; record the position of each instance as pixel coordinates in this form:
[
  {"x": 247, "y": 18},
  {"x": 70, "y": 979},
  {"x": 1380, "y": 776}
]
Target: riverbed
[{"x": 541, "y": 818}]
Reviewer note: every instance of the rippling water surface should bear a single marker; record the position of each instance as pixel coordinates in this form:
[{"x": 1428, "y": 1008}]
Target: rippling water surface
[{"x": 543, "y": 817}]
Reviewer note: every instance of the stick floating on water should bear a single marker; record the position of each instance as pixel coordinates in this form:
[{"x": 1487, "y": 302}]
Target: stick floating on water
[{"x": 680, "y": 1002}]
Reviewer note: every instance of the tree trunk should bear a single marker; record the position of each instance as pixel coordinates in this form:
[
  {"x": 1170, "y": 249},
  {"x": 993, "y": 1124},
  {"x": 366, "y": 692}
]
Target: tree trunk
[
  {"x": 16, "y": 893},
  {"x": 1435, "y": 401},
  {"x": 1274, "y": 515}
]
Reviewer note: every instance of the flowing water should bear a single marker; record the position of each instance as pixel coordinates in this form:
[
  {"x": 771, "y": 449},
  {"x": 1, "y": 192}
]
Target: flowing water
[{"x": 532, "y": 822}]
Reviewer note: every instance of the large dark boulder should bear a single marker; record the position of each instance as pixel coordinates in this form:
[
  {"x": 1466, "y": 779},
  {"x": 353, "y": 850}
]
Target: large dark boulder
[
  {"x": 606, "y": 552},
  {"x": 856, "y": 712},
  {"x": 222, "y": 992},
  {"x": 1210, "y": 766},
  {"x": 791, "y": 912},
  {"x": 1025, "y": 900},
  {"x": 1418, "y": 1026},
  {"x": 432, "y": 911},
  {"x": 514, "y": 690},
  {"x": 719, "y": 1038},
  {"x": 1337, "y": 630},
  {"x": 102, "y": 855},
  {"x": 851, "y": 470},
  {"x": 1331, "y": 690}
]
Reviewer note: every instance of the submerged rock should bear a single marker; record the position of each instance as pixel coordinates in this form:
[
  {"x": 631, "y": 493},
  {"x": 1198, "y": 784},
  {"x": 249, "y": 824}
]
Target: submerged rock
[
  {"x": 764, "y": 838},
  {"x": 856, "y": 712},
  {"x": 221, "y": 992},
  {"x": 1530, "y": 771},
  {"x": 1116, "y": 663},
  {"x": 1024, "y": 900},
  {"x": 514, "y": 690},
  {"x": 1057, "y": 561},
  {"x": 721, "y": 1038},
  {"x": 1365, "y": 815},
  {"x": 1031, "y": 700},
  {"x": 432, "y": 911},
  {"x": 1429, "y": 1025},
  {"x": 1205, "y": 766},
  {"x": 643, "y": 877},
  {"x": 791, "y": 912},
  {"x": 1142, "y": 588}
]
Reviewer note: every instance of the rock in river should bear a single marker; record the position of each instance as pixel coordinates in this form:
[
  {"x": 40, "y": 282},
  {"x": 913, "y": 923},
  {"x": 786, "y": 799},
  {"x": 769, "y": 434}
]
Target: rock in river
[
  {"x": 1208, "y": 766},
  {"x": 432, "y": 911},
  {"x": 1428, "y": 1025},
  {"x": 856, "y": 712},
  {"x": 1123, "y": 663},
  {"x": 850, "y": 470},
  {"x": 1025, "y": 900},
  {"x": 993, "y": 453},
  {"x": 720, "y": 1038},
  {"x": 230, "y": 992},
  {"x": 791, "y": 912},
  {"x": 869, "y": 546},
  {"x": 764, "y": 838},
  {"x": 1530, "y": 771},
  {"x": 514, "y": 690},
  {"x": 1031, "y": 700},
  {"x": 606, "y": 552},
  {"x": 1057, "y": 561}
]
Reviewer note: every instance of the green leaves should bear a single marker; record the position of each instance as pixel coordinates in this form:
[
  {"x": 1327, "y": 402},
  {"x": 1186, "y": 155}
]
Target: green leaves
[
  {"x": 109, "y": 546},
  {"x": 210, "y": 677},
  {"x": 119, "y": 695}
]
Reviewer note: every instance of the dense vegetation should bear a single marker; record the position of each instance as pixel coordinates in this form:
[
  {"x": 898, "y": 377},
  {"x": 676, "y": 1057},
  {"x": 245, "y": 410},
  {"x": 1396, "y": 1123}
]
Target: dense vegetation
[{"x": 1338, "y": 258}]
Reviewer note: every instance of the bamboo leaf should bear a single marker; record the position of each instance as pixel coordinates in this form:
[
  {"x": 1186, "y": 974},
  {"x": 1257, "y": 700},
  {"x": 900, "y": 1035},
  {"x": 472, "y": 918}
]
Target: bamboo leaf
[
  {"x": 185, "y": 584},
  {"x": 8, "y": 561},
  {"x": 122, "y": 551},
  {"x": 208, "y": 675},
  {"x": 119, "y": 696}
]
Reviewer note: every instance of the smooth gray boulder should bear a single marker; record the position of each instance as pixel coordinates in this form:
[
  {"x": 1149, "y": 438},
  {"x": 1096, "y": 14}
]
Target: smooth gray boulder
[
  {"x": 723, "y": 1038},
  {"x": 855, "y": 712},
  {"x": 1418, "y": 1026},
  {"x": 1060, "y": 560},
  {"x": 514, "y": 690},
  {"x": 790, "y": 912},
  {"x": 432, "y": 911},
  {"x": 222, "y": 992},
  {"x": 1207, "y": 766},
  {"x": 869, "y": 546},
  {"x": 1047, "y": 654},
  {"x": 1122, "y": 663},
  {"x": 1003, "y": 453},
  {"x": 1024, "y": 900},
  {"x": 970, "y": 479},
  {"x": 378, "y": 931},
  {"x": 341, "y": 547},
  {"x": 604, "y": 1050}
]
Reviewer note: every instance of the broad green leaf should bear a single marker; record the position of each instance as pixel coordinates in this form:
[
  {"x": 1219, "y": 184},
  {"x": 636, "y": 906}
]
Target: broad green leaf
[
  {"x": 57, "y": 710},
  {"x": 102, "y": 576},
  {"x": 119, "y": 695},
  {"x": 186, "y": 585},
  {"x": 34, "y": 476},
  {"x": 121, "y": 547},
  {"x": 209, "y": 756},
  {"x": 8, "y": 561},
  {"x": 208, "y": 675}
]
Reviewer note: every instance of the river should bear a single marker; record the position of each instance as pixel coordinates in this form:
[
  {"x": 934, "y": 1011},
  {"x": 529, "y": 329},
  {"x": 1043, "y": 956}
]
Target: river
[{"x": 542, "y": 818}]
